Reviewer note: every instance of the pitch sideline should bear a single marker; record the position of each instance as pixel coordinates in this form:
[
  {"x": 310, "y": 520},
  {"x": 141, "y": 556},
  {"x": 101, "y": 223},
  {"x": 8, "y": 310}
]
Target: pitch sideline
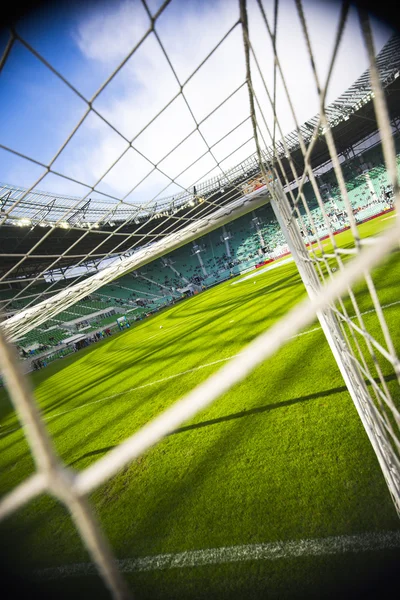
[
  {"x": 180, "y": 374},
  {"x": 365, "y": 542},
  {"x": 145, "y": 385},
  {"x": 264, "y": 270}
]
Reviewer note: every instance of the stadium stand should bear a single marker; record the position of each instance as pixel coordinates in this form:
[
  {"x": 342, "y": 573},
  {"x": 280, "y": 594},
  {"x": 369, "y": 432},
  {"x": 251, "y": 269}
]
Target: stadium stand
[{"x": 215, "y": 257}]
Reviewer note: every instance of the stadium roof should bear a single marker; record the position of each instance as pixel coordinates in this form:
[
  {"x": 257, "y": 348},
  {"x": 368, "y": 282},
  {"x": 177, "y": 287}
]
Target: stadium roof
[{"x": 106, "y": 220}]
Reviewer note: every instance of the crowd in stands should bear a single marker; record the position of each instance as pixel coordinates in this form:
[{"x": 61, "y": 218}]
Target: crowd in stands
[
  {"x": 215, "y": 257},
  {"x": 91, "y": 339},
  {"x": 39, "y": 364}
]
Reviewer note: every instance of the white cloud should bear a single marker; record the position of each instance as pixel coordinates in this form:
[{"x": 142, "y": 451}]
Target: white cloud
[
  {"x": 126, "y": 174},
  {"x": 110, "y": 34},
  {"x": 146, "y": 84},
  {"x": 157, "y": 146},
  {"x": 197, "y": 172},
  {"x": 156, "y": 185}
]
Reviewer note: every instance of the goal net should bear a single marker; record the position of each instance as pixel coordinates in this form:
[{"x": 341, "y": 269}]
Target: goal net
[{"x": 244, "y": 146}]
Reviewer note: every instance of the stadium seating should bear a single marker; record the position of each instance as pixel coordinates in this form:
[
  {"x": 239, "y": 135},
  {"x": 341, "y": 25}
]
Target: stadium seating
[
  {"x": 156, "y": 284},
  {"x": 187, "y": 263},
  {"x": 44, "y": 338}
]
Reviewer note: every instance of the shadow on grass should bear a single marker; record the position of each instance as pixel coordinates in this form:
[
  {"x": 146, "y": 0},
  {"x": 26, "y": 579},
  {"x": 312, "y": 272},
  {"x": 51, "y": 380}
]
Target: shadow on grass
[
  {"x": 190, "y": 334},
  {"x": 239, "y": 415},
  {"x": 281, "y": 281},
  {"x": 170, "y": 495}
]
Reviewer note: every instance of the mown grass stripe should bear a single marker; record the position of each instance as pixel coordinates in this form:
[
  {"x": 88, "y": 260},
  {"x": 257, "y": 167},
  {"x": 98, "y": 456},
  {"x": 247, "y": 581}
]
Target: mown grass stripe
[{"x": 175, "y": 375}]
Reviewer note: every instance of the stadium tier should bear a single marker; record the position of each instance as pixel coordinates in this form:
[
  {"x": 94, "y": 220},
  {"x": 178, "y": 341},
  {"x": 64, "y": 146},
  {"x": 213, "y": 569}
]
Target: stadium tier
[
  {"x": 215, "y": 257},
  {"x": 199, "y": 341}
]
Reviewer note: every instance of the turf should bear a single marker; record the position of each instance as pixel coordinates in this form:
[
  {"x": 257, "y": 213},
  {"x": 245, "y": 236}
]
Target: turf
[{"x": 282, "y": 456}]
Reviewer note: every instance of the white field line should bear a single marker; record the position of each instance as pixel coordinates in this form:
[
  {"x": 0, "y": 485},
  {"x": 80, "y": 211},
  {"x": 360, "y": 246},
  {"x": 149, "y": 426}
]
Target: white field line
[
  {"x": 158, "y": 334},
  {"x": 128, "y": 391},
  {"x": 266, "y": 268},
  {"x": 175, "y": 375},
  {"x": 365, "y": 542},
  {"x": 145, "y": 385}
]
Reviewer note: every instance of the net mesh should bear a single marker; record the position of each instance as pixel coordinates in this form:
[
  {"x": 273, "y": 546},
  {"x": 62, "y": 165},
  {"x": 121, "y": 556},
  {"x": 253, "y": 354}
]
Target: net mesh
[{"x": 129, "y": 234}]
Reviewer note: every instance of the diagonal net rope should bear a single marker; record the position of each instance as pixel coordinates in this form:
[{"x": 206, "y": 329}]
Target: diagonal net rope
[
  {"x": 327, "y": 289},
  {"x": 158, "y": 230},
  {"x": 161, "y": 230}
]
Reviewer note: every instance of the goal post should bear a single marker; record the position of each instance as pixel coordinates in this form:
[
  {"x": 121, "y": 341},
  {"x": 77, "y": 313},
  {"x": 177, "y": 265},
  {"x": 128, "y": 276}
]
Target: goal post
[
  {"x": 379, "y": 432},
  {"x": 278, "y": 172}
]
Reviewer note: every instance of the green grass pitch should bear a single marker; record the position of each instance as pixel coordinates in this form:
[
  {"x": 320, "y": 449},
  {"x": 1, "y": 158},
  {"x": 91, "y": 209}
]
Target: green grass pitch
[{"x": 282, "y": 456}]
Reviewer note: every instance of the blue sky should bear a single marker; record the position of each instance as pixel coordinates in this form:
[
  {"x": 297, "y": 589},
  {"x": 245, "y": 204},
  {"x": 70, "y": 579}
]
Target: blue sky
[{"x": 86, "y": 42}]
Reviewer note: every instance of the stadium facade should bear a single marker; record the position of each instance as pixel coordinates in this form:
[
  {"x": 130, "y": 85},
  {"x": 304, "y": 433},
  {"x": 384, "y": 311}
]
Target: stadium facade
[{"x": 53, "y": 244}]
